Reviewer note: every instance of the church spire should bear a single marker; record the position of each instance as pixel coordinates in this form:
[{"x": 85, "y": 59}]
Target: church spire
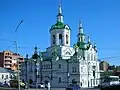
[
  {"x": 81, "y": 37},
  {"x": 80, "y": 27},
  {"x": 88, "y": 39},
  {"x": 60, "y": 16}
]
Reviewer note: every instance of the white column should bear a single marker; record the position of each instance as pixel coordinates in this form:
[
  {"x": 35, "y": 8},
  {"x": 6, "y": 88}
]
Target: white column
[
  {"x": 69, "y": 39},
  {"x": 51, "y": 40},
  {"x": 64, "y": 38},
  {"x": 57, "y": 38}
]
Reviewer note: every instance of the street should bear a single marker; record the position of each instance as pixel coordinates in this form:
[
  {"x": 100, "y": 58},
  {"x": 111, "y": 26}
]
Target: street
[{"x": 2, "y": 88}]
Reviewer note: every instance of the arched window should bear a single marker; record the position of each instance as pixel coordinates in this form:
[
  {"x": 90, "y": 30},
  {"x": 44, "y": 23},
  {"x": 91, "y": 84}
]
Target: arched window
[
  {"x": 60, "y": 38},
  {"x": 59, "y": 79},
  {"x": 88, "y": 57},
  {"x": 66, "y": 39},
  {"x": 53, "y": 39},
  {"x": 78, "y": 38}
]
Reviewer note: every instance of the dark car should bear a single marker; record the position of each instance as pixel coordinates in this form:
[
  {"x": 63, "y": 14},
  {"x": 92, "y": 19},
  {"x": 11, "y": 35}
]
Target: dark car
[
  {"x": 33, "y": 85},
  {"x": 1, "y": 84},
  {"x": 112, "y": 87},
  {"x": 6, "y": 85}
]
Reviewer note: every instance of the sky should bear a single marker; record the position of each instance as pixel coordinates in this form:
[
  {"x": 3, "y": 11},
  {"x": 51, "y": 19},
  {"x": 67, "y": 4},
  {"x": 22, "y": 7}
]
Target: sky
[{"x": 100, "y": 19}]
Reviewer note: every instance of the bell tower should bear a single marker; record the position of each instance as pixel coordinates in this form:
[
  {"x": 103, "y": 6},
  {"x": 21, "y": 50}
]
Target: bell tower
[{"x": 60, "y": 32}]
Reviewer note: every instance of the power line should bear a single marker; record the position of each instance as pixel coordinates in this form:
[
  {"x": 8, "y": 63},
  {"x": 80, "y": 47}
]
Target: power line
[
  {"x": 6, "y": 40},
  {"x": 111, "y": 57},
  {"x": 9, "y": 46}
]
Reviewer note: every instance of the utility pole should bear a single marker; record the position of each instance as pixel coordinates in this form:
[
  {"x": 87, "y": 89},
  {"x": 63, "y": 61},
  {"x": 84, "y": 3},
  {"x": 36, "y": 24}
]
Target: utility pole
[
  {"x": 16, "y": 43},
  {"x": 40, "y": 56}
]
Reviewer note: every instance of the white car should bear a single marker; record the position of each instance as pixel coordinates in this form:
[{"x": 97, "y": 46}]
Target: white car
[{"x": 41, "y": 85}]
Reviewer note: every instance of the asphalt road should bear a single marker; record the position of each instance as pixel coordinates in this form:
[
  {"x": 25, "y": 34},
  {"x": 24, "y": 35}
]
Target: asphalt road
[{"x": 2, "y": 88}]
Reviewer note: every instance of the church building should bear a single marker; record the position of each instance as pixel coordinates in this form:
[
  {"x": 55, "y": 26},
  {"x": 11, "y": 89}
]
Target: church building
[{"x": 62, "y": 65}]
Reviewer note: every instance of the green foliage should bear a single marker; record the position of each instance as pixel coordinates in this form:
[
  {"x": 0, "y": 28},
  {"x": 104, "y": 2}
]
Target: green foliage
[
  {"x": 35, "y": 56},
  {"x": 107, "y": 73},
  {"x": 30, "y": 81}
]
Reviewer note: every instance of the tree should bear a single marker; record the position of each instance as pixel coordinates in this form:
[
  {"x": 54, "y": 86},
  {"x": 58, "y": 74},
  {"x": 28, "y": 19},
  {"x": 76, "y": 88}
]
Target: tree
[{"x": 107, "y": 73}]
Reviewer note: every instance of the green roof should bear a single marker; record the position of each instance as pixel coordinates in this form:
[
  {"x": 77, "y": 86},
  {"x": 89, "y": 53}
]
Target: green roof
[
  {"x": 82, "y": 34},
  {"x": 58, "y": 25},
  {"x": 81, "y": 45}
]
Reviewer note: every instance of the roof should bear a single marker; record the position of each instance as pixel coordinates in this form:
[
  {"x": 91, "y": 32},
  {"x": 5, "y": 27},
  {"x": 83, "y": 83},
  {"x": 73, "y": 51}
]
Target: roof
[
  {"x": 60, "y": 25},
  {"x": 3, "y": 70},
  {"x": 81, "y": 45}
]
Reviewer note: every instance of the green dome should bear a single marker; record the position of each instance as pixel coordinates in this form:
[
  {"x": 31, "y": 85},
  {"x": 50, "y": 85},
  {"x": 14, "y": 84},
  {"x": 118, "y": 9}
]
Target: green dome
[
  {"x": 59, "y": 25},
  {"x": 81, "y": 45}
]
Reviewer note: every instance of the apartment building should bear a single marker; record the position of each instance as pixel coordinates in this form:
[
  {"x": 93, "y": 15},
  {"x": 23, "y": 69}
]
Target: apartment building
[{"x": 9, "y": 59}]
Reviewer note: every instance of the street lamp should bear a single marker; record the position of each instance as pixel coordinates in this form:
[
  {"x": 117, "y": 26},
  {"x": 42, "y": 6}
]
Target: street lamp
[
  {"x": 88, "y": 72},
  {"x": 36, "y": 70},
  {"x": 26, "y": 64},
  {"x": 94, "y": 74},
  {"x": 16, "y": 43},
  {"x": 68, "y": 75}
]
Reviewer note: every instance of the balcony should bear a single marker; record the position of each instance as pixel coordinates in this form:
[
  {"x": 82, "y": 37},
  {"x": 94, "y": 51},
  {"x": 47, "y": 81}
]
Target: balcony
[
  {"x": 8, "y": 57},
  {"x": 7, "y": 66},
  {"x": 8, "y": 62}
]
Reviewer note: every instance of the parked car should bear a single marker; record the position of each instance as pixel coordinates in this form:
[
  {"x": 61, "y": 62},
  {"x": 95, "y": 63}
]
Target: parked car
[
  {"x": 33, "y": 85},
  {"x": 41, "y": 85},
  {"x": 14, "y": 84},
  {"x": 1, "y": 84},
  {"x": 111, "y": 87},
  {"x": 6, "y": 85}
]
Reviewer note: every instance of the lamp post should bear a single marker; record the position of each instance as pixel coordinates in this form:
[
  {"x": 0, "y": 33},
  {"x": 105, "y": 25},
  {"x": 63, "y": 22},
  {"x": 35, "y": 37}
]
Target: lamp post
[
  {"x": 16, "y": 43},
  {"x": 94, "y": 75},
  {"x": 68, "y": 75},
  {"x": 26, "y": 70},
  {"x": 37, "y": 64},
  {"x": 88, "y": 72}
]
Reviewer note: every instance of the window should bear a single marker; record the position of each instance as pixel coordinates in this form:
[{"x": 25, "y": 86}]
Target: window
[
  {"x": 74, "y": 69},
  {"x": 93, "y": 81},
  {"x": 59, "y": 66},
  {"x": 31, "y": 67},
  {"x": 88, "y": 57},
  {"x": 11, "y": 77},
  {"x": 96, "y": 81},
  {"x": 78, "y": 38},
  {"x": 66, "y": 39},
  {"x": 2, "y": 76},
  {"x": 46, "y": 66},
  {"x": 6, "y": 76},
  {"x": 60, "y": 38},
  {"x": 53, "y": 39},
  {"x": 59, "y": 79},
  {"x": 81, "y": 69},
  {"x": 94, "y": 73},
  {"x": 95, "y": 58}
]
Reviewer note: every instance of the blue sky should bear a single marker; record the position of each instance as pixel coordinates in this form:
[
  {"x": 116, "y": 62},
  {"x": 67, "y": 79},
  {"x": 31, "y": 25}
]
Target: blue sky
[{"x": 100, "y": 20}]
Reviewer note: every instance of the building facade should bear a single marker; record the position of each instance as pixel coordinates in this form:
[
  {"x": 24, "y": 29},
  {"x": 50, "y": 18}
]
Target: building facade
[
  {"x": 8, "y": 60},
  {"x": 104, "y": 66},
  {"x": 61, "y": 64},
  {"x": 5, "y": 75}
]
